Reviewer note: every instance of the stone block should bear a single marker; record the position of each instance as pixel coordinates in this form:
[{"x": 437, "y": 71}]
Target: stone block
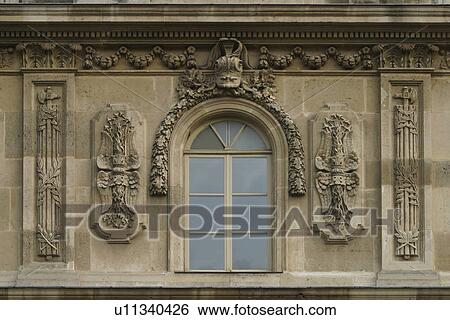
[
  {"x": 9, "y": 247},
  {"x": 13, "y": 135},
  {"x": 322, "y": 90},
  {"x": 11, "y": 93},
  {"x": 5, "y": 212}
]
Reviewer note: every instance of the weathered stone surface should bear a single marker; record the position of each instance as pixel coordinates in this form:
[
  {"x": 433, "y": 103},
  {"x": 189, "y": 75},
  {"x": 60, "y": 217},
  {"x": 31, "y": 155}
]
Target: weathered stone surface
[{"x": 287, "y": 71}]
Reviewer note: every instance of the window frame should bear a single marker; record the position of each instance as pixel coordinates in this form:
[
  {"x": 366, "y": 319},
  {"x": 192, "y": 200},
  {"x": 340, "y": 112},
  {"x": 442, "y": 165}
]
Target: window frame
[
  {"x": 228, "y": 197},
  {"x": 259, "y": 119}
]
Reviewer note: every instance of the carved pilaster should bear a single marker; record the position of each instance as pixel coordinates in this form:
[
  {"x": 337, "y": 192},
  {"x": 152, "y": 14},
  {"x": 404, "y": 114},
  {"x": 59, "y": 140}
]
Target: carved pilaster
[
  {"x": 48, "y": 167},
  {"x": 406, "y": 197}
]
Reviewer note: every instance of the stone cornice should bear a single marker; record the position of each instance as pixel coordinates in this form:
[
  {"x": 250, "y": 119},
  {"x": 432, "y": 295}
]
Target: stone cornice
[
  {"x": 235, "y": 13},
  {"x": 177, "y": 23}
]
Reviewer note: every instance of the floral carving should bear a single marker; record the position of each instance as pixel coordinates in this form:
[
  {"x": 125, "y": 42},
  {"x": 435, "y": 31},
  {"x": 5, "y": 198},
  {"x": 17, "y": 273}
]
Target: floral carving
[
  {"x": 362, "y": 58},
  {"x": 336, "y": 179},
  {"x": 405, "y": 55},
  {"x": 406, "y": 170},
  {"x": 445, "y": 60},
  {"x": 48, "y": 167},
  {"x": 5, "y": 57},
  {"x": 195, "y": 86},
  {"x": 118, "y": 177},
  {"x": 48, "y": 55},
  {"x": 171, "y": 61}
]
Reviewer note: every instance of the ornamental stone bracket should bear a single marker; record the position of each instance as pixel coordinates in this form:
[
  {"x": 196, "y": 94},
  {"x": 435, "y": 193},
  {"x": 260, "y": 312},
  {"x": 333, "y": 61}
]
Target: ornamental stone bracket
[
  {"x": 118, "y": 135},
  {"x": 227, "y": 60},
  {"x": 336, "y": 135}
]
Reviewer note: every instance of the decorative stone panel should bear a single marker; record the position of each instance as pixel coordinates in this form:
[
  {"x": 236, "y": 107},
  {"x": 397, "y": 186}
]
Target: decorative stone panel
[
  {"x": 406, "y": 189},
  {"x": 118, "y": 144},
  {"x": 48, "y": 169},
  {"x": 336, "y": 148}
]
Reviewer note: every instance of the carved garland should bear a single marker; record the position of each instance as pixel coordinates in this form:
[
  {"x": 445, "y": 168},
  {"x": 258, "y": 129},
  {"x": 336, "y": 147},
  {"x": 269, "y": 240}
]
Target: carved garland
[
  {"x": 139, "y": 62},
  {"x": 403, "y": 55},
  {"x": 361, "y": 59},
  {"x": 48, "y": 166},
  {"x": 195, "y": 87}
]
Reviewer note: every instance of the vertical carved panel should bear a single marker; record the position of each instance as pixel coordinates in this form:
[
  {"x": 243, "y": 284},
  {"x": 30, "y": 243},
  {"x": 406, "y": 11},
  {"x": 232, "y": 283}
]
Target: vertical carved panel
[
  {"x": 48, "y": 166},
  {"x": 336, "y": 173},
  {"x": 118, "y": 177},
  {"x": 406, "y": 169}
]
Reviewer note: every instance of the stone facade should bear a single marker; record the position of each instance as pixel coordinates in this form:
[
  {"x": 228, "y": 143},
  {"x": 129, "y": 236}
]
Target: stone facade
[{"x": 97, "y": 106}]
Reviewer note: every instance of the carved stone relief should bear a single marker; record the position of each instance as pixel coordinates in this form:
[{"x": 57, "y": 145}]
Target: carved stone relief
[
  {"x": 406, "y": 172},
  {"x": 228, "y": 59},
  {"x": 336, "y": 173},
  {"x": 405, "y": 55},
  {"x": 49, "y": 168},
  {"x": 118, "y": 178},
  {"x": 362, "y": 59},
  {"x": 48, "y": 55},
  {"x": 187, "y": 59},
  {"x": 5, "y": 57}
]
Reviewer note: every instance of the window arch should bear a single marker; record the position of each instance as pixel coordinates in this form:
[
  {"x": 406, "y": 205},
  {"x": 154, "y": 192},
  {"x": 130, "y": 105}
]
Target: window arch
[
  {"x": 229, "y": 194},
  {"x": 193, "y": 122}
]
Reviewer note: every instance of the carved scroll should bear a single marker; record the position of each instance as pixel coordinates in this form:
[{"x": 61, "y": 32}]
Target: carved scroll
[
  {"x": 118, "y": 178},
  {"x": 228, "y": 59},
  {"x": 49, "y": 166},
  {"x": 406, "y": 172},
  {"x": 336, "y": 178}
]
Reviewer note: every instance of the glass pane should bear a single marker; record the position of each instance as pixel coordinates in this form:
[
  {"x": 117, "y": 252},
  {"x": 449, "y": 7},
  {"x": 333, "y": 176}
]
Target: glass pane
[
  {"x": 234, "y": 127},
  {"x": 252, "y": 213},
  {"x": 250, "y": 174},
  {"x": 221, "y": 128},
  {"x": 206, "y": 252},
  {"x": 252, "y": 252},
  {"x": 249, "y": 139},
  {"x": 209, "y": 218},
  {"x": 207, "y": 139},
  {"x": 206, "y": 175}
]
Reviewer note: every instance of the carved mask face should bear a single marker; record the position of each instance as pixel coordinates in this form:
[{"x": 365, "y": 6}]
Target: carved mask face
[{"x": 228, "y": 71}]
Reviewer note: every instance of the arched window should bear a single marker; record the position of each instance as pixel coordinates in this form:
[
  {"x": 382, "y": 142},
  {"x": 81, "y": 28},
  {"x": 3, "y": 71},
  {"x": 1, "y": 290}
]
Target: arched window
[{"x": 228, "y": 171}]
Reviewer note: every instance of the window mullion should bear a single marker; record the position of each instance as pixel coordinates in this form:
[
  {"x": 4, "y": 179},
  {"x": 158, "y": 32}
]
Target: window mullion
[{"x": 228, "y": 203}]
